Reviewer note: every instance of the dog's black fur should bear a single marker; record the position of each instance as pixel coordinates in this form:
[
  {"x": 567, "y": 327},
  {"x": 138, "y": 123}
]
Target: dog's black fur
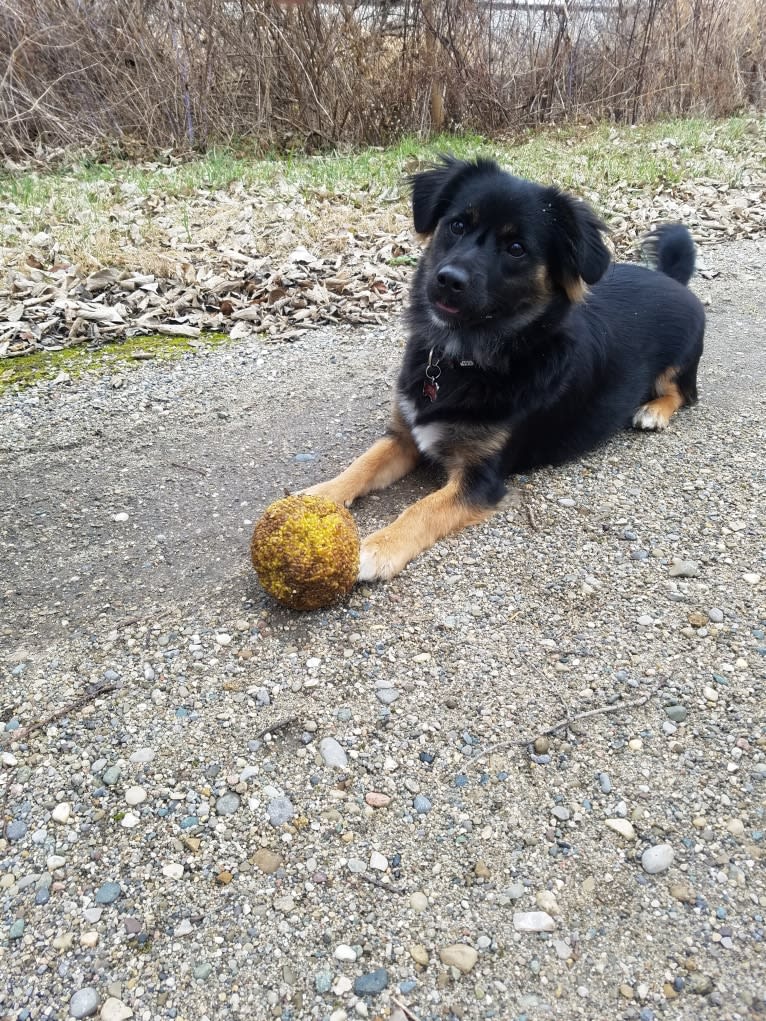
[
  {"x": 527, "y": 346},
  {"x": 561, "y": 375}
]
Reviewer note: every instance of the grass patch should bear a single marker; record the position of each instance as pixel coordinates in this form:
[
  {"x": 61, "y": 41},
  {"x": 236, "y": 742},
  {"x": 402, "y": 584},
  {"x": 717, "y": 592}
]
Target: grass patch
[{"x": 20, "y": 373}]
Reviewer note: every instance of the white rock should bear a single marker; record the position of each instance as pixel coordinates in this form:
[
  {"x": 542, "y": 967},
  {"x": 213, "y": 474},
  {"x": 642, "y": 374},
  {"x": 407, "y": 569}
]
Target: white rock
[
  {"x": 736, "y": 827},
  {"x": 332, "y": 753},
  {"x": 460, "y": 956},
  {"x": 89, "y": 939},
  {"x": 623, "y": 827},
  {"x": 341, "y": 986},
  {"x": 121, "y": 517},
  {"x": 343, "y": 952},
  {"x": 9, "y": 759},
  {"x": 657, "y": 859},
  {"x": 751, "y": 578},
  {"x": 547, "y": 902},
  {"x": 183, "y": 928},
  {"x": 173, "y": 870},
  {"x": 222, "y": 638},
  {"x": 418, "y": 901},
  {"x": 378, "y": 861},
  {"x": 710, "y": 693},
  {"x": 533, "y": 921},
  {"x": 129, "y": 821},
  {"x": 115, "y": 1010},
  {"x": 135, "y": 795},
  {"x": 55, "y": 861},
  {"x": 142, "y": 755},
  {"x": 62, "y": 813}
]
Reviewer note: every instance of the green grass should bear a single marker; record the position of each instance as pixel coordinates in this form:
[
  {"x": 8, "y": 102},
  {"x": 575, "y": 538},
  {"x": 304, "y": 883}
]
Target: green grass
[{"x": 601, "y": 155}]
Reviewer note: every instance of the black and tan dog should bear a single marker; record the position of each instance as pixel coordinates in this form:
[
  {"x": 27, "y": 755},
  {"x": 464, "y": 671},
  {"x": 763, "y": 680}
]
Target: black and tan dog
[{"x": 527, "y": 347}]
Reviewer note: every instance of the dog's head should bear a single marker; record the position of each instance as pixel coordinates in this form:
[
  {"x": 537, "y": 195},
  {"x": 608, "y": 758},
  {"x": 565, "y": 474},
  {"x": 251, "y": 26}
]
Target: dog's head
[{"x": 502, "y": 249}]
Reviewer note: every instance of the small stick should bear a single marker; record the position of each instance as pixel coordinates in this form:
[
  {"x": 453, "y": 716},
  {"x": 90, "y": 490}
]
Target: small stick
[
  {"x": 381, "y": 886},
  {"x": 102, "y": 688},
  {"x": 599, "y": 711},
  {"x": 531, "y": 515},
  {"x": 404, "y": 1009},
  {"x": 275, "y": 727}
]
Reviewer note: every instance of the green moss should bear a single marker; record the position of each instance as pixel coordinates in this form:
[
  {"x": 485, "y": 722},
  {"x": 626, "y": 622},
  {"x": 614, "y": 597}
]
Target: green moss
[{"x": 45, "y": 366}]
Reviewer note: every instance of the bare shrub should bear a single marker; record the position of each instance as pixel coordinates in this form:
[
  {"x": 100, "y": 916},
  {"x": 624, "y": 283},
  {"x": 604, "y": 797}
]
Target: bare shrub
[{"x": 190, "y": 73}]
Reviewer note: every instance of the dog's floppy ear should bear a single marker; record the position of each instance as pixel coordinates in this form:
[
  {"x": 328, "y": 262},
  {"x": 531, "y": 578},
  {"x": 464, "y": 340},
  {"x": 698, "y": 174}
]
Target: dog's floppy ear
[
  {"x": 579, "y": 255},
  {"x": 432, "y": 190}
]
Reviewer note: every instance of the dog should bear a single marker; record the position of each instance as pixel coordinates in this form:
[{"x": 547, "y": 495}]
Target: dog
[{"x": 527, "y": 346}]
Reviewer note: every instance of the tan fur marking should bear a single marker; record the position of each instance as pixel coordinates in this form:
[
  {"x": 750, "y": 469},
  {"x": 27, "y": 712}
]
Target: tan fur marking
[
  {"x": 386, "y": 552},
  {"x": 575, "y": 289},
  {"x": 477, "y": 448},
  {"x": 656, "y": 414},
  {"x": 389, "y": 459}
]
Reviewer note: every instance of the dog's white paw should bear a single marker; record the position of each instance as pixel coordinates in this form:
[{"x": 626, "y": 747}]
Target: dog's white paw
[
  {"x": 330, "y": 492},
  {"x": 375, "y": 562},
  {"x": 647, "y": 417}
]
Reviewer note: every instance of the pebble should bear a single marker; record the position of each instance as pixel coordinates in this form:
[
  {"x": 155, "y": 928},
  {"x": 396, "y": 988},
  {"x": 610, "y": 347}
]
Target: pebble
[
  {"x": 736, "y": 827},
  {"x": 682, "y": 892},
  {"x": 16, "y": 930},
  {"x": 228, "y": 803},
  {"x": 142, "y": 755},
  {"x": 460, "y": 956},
  {"x": 332, "y": 753},
  {"x": 676, "y": 713},
  {"x": 375, "y": 799},
  {"x": 418, "y": 901},
  {"x": 8, "y": 758},
  {"x": 89, "y": 939},
  {"x": 280, "y": 810},
  {"x": 120, "y": 518},
  {"x": 560, "y": 813},
  {"x": 715, "y": 615},
  {"x": 222, "y": 638},
  {"x": 419, "y": 954},
  {"x": 173, "y": 870},
  {"x": 372, "y": 983},
  {"x": 422, "y": 804},
  {"x": 623, "y": 827},
  {"x": 546, "y": 901},
  {"x": 533, "y": 921},
  {"x": 684, "y": 569},
  {"x": 84, "y": 1003},
  {"x": 343, "y": 952},
  {"x": 62, "y": 813},
  {"x": 710, "y": 693},
  {"x": 108, "y": 893},
  {"x": 378, "y": 861},
  {"x": 752, "y": 578},
  {"x": 605, "y": 783},
  {"x": 111, "y": 776},
  {"x": 16, "y": 830},
  {"x": 267, "y": 861},
  {"x": 202, "y": 971},
  {"x": 323, "y": 982},
  {"x": 387, "y": 696},
  {"x": 135, "y": 796},
  {"x": 657, "y": 859},
  {"x": 115, "y": 1010}
]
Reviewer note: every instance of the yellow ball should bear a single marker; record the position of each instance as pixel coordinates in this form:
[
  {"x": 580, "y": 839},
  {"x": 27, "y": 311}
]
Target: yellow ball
[{"x": 305, "y": 551}]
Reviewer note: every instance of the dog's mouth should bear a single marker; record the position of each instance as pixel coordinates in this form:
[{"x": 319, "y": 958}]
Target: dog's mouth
[{"x": 449, "y": 310}]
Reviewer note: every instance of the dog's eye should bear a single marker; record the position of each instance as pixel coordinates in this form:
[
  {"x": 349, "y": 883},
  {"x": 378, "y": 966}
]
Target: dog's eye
[
  {"x": 516, "y": 249},
  {"x": 457, "y": 227}
]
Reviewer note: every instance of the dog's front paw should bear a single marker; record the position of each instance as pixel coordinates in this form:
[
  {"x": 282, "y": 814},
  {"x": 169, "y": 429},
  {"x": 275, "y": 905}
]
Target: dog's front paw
[
  {"x": 650, "y": 417},
  {"x": 330, "y": 491},
  {"x": 378, "y": 560}
]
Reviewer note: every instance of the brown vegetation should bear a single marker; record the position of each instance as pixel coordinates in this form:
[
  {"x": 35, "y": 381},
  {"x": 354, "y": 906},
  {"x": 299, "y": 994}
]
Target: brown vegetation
[{"x": 195, "y": 72}]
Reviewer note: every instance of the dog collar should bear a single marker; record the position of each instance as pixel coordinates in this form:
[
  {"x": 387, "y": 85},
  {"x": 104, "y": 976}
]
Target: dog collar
[{"x": 433, "y": 371}]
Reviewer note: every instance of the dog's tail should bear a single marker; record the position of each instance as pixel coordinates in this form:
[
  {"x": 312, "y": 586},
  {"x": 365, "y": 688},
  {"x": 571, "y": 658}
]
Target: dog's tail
[{"x": 670, "y": 249}]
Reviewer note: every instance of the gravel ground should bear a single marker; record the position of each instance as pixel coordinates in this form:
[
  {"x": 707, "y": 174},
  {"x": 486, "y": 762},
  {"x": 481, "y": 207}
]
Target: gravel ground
[{"x": 215, "y": 808}]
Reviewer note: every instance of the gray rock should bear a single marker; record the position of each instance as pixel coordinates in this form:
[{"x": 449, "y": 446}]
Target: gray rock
[
  {"x": 323, "y": 981},
  {"x": 657, "y": 859},
  {"x": 228, "y": 803},
  {"x": 332, "y": 753},
  {"x": 560, "y": 813},
  {"x": 280, "y": 811},
  {"x": 676, "y": 713},
  {"x": 16, "y": 930},
  {"x": 422, "y": 804},
  {"x": 202, "y": 971},
  {"x": 387, "y": 695},
  {"x": 684, "y": 569},
  {"x": 605, "y": 783},
  {"x": 84, "y": 1003},
  {"x": 372, "y": 983},
  {"x": 108, "y": 893},
  {"x": 15, "y": 830},
  {"x": 111, "y": 776},
  {"x": 715, "y": 615}
]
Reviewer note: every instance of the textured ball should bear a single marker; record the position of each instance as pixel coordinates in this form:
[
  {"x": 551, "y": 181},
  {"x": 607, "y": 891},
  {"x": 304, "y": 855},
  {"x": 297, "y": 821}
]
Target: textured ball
[{"x": 305, "y": 551}]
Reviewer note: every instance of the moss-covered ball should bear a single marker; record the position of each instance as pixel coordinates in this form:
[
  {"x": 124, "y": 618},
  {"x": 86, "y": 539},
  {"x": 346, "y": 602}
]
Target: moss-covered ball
[{"x": 305, "y": 551}]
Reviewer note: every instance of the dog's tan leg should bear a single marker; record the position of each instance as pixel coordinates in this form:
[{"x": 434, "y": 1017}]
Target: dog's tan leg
[
  {"x": 387, "y": 551},
  {"x": 386, "y": 461},
  {"x": 656, "y": 414}
]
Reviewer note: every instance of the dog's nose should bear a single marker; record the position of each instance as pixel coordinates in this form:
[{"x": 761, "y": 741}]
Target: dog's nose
[{"x": 452, "y": 278}]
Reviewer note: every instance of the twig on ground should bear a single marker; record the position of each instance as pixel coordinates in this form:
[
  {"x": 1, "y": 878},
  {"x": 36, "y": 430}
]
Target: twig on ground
[
  {"x": 276, "y": 727},
  {"x": 102, "y": 688},
  {"x": 531, "y": 515},
  {"x": 569, "y": 720},
  {"x": 405, "y": 1009},
  {"x": 381, "y": 886},
  {"x": 189, "y": 468}
]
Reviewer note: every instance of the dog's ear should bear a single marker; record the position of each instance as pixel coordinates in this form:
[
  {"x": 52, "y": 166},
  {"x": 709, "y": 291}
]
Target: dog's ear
[
  {"x": 433, "y": 190},
  {"x": 578, "y": 253}
]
